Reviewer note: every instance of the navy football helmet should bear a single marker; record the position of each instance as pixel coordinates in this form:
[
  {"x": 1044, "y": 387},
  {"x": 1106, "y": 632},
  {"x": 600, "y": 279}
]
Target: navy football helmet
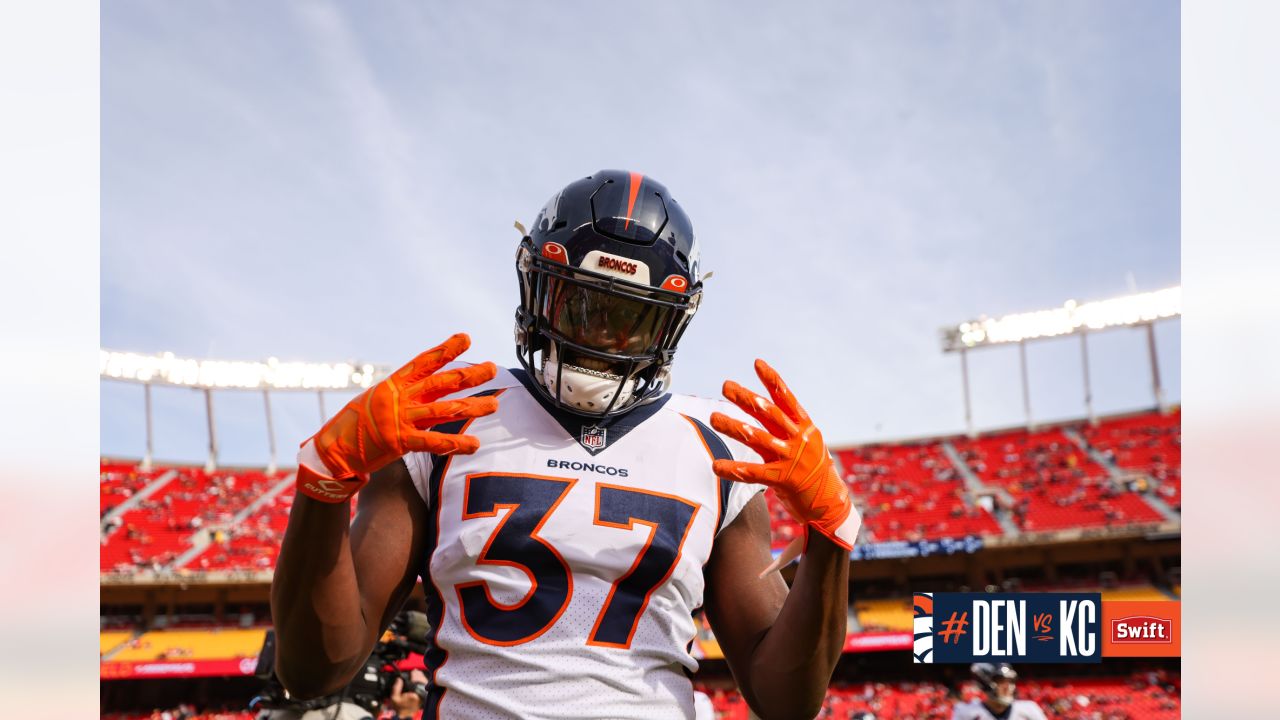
[
  {"x": 609, "y": 280},
  {"x": 989, "y": 676}
]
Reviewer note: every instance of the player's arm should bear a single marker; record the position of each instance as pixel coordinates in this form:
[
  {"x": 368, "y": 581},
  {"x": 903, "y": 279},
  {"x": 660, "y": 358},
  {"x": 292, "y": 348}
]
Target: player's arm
[
  {"x": 782, "y": 652},
  {"x": 781, "y": 647},
  {"x": 336, "y": 587}
]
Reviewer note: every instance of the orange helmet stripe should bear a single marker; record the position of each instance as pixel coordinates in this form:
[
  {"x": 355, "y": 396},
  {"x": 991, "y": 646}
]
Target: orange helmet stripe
[{"x": 633, "y": 190}]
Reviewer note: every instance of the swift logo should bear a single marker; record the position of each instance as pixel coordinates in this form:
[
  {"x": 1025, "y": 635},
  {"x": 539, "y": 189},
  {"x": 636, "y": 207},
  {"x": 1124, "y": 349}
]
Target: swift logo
[{"x": 1141, "y": 629}]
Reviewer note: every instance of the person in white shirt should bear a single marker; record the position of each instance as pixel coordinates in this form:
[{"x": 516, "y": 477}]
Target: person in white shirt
[{"x": 998, "y": 687}]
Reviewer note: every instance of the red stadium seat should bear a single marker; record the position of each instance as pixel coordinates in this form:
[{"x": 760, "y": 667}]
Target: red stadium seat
[
  {"x": 1054, "y": 484},
  {"x": 911, "y": 492},
  {"x": 161, "y": 527},
  {"x": 1143, "y": 696},
  {"x": 1150, "y": 443},
  {"x": 906, "y": 491}
]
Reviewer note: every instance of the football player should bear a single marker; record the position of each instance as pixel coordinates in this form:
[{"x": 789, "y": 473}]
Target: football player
[
  {"x": 997, "y": 681},
  {"x": 568, "y": 516}
]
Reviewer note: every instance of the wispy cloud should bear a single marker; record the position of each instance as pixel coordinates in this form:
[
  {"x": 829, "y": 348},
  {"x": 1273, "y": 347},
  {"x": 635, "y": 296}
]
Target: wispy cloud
[{"x": 308, "y": 181}]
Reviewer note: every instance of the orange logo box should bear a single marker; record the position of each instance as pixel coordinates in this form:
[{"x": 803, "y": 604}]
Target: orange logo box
[{"x": 1147, "y": 628}]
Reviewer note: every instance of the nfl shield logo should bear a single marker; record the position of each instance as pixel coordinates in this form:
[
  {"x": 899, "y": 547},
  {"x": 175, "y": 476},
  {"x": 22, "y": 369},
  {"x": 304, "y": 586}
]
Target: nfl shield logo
[{"x": 593, "y": 437}]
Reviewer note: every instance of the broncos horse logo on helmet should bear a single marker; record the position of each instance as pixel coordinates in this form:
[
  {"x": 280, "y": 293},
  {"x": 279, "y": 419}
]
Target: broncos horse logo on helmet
[{"x": 609, "y": 280}]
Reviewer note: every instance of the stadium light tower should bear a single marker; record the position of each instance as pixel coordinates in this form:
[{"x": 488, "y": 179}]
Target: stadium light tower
[
  {"x": 1142, "y": 309},
  {"x": 210, "y": 375}
]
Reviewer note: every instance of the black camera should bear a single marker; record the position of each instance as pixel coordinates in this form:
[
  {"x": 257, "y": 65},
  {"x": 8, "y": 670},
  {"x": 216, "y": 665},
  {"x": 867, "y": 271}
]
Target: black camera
[{"x": 371, "y": 685}]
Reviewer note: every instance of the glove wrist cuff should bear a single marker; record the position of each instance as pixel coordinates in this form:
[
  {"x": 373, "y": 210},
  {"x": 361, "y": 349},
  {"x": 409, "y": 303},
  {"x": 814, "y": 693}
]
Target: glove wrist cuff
[
  {"x": 316, "y": 482},
  {"x": 843, "y": 533}
]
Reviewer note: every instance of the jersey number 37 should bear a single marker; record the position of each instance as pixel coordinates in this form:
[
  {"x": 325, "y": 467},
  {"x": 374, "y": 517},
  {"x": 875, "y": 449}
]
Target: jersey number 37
[{"x": 530, "y": 500}]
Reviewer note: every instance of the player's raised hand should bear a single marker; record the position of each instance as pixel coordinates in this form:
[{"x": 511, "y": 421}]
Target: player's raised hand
[
  {"x": 796, "y": 463},
  {"x": 392, "y": 418}
]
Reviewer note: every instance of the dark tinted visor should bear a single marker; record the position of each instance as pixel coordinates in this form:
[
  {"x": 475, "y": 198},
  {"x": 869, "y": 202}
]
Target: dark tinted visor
[{"x": 614, "y": 323}]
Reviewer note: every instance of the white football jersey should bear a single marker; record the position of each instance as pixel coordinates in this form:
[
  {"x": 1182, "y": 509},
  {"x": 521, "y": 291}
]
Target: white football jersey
[
  {"x": 1019, "y": 710},
  {"x": 566, "y": 556}
]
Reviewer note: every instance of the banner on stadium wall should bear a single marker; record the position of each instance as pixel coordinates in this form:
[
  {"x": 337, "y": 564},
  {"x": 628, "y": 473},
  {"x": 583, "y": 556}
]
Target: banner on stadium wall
[
  {"x": 1042, "y": 627},
  {"x": 877, "y": 641},
  {"x": 916, "y": 548},
  {"x": 203, "y": 668},
  {"x": 177, "y": 668}
]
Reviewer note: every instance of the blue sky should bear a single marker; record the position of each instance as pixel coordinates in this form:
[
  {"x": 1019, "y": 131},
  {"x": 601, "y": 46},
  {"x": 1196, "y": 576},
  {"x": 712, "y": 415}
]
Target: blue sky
[{"x": 309, "y": 181}]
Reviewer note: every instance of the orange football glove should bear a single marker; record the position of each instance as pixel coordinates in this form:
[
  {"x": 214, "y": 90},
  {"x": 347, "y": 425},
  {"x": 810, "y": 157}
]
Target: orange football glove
[
  {"x": 796, "y": 462},
  {"x": 391, "y": 418}
]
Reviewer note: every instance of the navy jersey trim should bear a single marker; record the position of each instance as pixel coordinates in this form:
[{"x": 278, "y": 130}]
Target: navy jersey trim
[
  {"x": 616, "y": 427},
  {"x": 718, "y": 451},
  {"x": 436, "y": 656}
]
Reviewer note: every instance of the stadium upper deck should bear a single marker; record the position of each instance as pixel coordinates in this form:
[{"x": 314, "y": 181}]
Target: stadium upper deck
[{"x": 1125, "y": 471}]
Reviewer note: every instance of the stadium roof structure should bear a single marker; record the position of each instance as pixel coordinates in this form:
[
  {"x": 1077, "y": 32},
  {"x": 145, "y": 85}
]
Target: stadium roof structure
[
  {"x": 1072, "y": 318},
  {"x": 270, "y": 375}
]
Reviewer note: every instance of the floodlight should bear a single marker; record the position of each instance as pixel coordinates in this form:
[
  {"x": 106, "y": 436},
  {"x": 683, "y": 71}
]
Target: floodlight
[
  {"x": 1072, "y": 317},
  {"x": 168, "y": 369}
]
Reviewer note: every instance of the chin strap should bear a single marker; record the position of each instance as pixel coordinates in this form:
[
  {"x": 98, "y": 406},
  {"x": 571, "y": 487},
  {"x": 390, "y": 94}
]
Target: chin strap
[{"x": 583, "y": 388}]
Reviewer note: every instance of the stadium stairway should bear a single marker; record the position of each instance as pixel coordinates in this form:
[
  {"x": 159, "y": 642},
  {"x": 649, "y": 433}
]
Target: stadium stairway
[
  {"x": 974, "y": 485},
  {"x": 1162, "y": 507},
  {"x": 106, "y": 528},
  {"x": 1075, "y": 437},
  {"x": 202, "y": 537},
  {"x": 1119, "y": 477}
]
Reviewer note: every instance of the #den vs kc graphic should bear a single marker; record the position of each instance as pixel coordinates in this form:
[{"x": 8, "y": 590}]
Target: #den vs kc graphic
[{"x": 1037, "y": 627}]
